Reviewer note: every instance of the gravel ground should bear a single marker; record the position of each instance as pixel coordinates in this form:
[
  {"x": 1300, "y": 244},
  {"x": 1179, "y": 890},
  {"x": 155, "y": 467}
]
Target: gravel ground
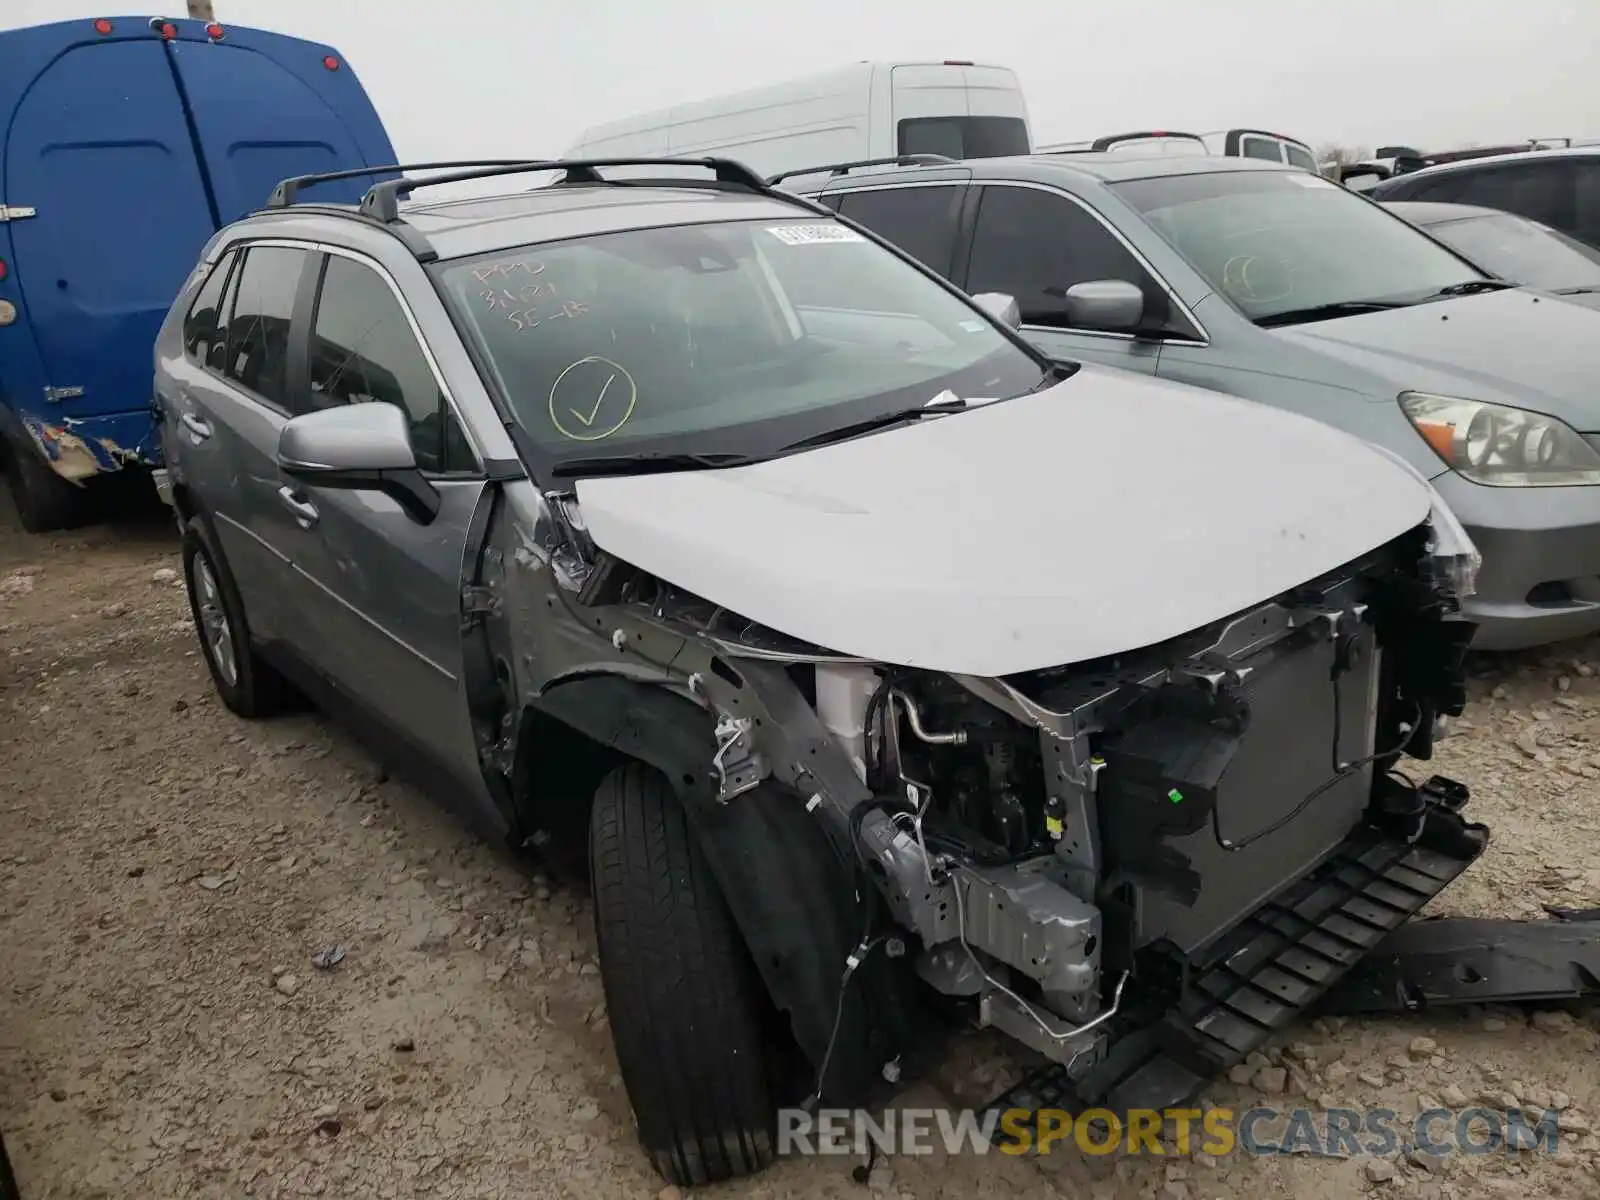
[{"x": 168, "y": 875}]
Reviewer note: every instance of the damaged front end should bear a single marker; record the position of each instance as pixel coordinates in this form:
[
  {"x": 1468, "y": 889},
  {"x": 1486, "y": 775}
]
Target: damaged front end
[{"x": 1140, "y": 867}]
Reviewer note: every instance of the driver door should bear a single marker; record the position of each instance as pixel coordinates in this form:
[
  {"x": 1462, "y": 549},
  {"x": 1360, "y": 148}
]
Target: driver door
[{"x": 381, "y": 593}]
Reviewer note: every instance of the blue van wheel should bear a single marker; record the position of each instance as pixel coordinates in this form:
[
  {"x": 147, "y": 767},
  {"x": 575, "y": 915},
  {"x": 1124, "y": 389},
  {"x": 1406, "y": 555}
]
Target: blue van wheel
[{"x": 45, "y": 501}]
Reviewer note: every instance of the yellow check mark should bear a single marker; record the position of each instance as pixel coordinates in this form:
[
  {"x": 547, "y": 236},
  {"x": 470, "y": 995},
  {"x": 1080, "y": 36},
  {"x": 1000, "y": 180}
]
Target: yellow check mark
[{"x": 589, "y": 420}]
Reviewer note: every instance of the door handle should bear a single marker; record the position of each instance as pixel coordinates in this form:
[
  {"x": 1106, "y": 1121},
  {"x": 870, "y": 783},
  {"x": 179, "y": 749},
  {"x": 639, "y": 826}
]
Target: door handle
[
  {"x": 304, "y": 511},
  {"x": 197, "y": 428}
]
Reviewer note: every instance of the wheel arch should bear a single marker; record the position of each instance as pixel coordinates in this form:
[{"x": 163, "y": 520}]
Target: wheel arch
[{"x": 791, "y": 896}]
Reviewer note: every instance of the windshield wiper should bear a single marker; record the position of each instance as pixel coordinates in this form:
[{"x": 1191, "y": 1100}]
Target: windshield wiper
[
  {"x": 1471, "y": 287},
  {"x": 882, "y": 421},
  {"x": 646, "y": 464},
  {"x": 1326, "y": 312},
  {"x": 1586, "y": 290}
]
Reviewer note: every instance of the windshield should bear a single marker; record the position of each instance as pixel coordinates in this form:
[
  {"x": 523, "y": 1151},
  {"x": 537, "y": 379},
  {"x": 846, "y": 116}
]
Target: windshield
[
  {"x": 1276, "y": 242},
  {"x": 1521, "y": 250},
  {"x": 737, "y": 338}
]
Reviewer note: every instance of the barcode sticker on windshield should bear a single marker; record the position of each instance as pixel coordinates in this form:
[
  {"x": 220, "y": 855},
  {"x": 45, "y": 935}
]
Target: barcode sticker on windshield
[{"x": 813, "y": 235}]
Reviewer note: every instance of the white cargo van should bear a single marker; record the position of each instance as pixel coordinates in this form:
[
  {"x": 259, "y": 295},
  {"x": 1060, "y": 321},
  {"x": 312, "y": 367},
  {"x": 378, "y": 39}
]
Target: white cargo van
[{"x": 866, "y": 110}]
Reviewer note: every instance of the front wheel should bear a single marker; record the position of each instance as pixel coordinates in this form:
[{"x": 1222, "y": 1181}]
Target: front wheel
[{"x": 685, "y": 1000}]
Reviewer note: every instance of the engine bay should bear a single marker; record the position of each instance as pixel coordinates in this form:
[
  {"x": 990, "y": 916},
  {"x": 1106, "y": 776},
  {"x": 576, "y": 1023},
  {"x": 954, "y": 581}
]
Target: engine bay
[{"x": 1049, "y": 838}]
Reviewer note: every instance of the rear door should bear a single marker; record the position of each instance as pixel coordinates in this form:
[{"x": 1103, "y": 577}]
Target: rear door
[
  {"x": 99, "y": 148},
  {"x": 236, "y": 402},
  {"x": 267, "y": 107}
]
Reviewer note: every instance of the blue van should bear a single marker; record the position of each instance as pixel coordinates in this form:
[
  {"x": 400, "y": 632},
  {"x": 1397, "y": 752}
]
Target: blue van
[{"x": 125, "y": 143}]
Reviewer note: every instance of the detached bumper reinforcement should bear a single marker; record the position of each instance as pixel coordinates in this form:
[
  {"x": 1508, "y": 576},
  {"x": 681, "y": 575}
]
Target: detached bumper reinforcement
[
  {"x": 1275, "y": 965},
  {"x": 1451, "y": 960}
]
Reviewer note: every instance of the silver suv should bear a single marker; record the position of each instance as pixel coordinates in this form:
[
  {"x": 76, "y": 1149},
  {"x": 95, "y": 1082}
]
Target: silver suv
[{"x": 871, "y": 655}]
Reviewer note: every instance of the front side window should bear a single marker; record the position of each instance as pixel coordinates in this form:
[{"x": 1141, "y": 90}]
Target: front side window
[
  {"x": 731, "y": 338},
  {"x": 1520, "y": 250},
  {"x": 258, "y": 329},
  {"x": 1033, "y": 245},
  {"x": 363, "y": 349},
  {"x": 1285, "y": 245},
  {"x": 964, "y": 137}
]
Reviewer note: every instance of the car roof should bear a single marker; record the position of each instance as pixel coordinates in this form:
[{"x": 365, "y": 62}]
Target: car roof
[
  {"x": 463, "y": 227},
  {"x": 1433, "y": 212},
  {"x": 1474, "y": 164}
]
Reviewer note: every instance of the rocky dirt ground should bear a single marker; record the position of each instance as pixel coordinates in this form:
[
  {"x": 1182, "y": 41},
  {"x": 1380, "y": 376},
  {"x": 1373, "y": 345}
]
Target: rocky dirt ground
[{"x": 169, "y": 875}]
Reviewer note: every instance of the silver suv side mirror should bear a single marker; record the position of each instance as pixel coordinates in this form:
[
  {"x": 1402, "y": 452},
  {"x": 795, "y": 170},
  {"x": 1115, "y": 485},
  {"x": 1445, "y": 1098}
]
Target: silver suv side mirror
[
  {"x": 1001, "y": 306},
  {"x": 358, "y": 447},
  {"x": 1114, "y": 305}
]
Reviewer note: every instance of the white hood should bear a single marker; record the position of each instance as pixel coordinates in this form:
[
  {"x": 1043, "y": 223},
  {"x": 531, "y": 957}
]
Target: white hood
[{"x": 1107, "y": 513}]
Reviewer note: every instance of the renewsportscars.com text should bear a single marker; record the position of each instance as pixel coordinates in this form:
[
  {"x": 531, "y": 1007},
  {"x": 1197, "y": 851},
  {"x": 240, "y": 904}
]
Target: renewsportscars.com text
[{"x": 1257, "y": 1132}]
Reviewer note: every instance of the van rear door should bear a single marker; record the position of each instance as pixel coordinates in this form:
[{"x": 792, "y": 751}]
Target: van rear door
[
  {"x": 266, "y": 107},
  {"x": 98, "y": 146},
  {"x": 958, "y": 110}
]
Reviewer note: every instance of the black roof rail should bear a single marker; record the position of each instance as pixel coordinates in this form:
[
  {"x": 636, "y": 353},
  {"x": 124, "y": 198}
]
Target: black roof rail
[
  {"x": 284, "y": 194},
  {"x": 382, "y": 201},
  {"x": 1101, "y": 144},
  {"x": 844, "y": 168}
]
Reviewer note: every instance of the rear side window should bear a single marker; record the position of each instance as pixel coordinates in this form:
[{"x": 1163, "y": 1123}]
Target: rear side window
[
  {"x": 1034, "y": 245},
  {"x": 1300, "y": 157},
  {"x": 919, "y": 220},
  {"x": 363, "y": 349},
  {"x": 964, "y": 137},
  {"x": 1540, "y": 190},
  {"x": 1251, "y": 147},
  {"x": 1586, "y": 200},
  {"x": 258, "y": 330},
  {"x": 206, "y": 325}
]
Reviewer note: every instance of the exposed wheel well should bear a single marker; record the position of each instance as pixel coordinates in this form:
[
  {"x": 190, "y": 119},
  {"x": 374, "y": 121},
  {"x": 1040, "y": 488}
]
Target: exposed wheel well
[{"x": 554, "y": 778}]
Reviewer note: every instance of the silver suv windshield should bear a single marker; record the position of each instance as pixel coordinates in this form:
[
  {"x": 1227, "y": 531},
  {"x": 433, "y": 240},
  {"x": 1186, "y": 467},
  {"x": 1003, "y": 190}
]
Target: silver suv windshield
[
  {"x": 1289, "y": 243},
  {"x": 729, "y": 339}
]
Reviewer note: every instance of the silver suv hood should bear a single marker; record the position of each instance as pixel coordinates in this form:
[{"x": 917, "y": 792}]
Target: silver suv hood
[{"x": 1107, "y": 513}]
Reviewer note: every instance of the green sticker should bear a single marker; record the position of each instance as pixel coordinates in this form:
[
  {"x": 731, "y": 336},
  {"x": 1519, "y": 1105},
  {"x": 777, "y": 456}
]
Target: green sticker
[{"x": 1175, "y": 796}]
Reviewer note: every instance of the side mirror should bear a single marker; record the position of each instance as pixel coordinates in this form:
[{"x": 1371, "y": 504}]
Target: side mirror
[
  {"x": 1111, "y": 304},
  {"x": 358, "y": 447},
  {"x": 1000, "y": 306}
]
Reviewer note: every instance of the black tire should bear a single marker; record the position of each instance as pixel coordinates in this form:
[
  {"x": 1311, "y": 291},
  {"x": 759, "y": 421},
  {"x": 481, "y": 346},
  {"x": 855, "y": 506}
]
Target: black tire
[
  {"x": 45, "y": 502},
  {"x": 685, "y": 1000},
  {"x": 8, "y": 1181},
  {"x": 252, "y": 688}
]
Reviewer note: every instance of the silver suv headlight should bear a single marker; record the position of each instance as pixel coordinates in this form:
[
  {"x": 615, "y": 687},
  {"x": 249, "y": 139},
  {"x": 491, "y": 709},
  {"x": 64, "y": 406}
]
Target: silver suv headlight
[{"x": 1500, "y": 446}]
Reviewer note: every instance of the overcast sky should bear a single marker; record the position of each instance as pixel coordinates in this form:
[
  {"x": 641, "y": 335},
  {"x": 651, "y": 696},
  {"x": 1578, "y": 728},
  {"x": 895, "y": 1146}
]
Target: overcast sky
[{"x": 493, "y": 77}]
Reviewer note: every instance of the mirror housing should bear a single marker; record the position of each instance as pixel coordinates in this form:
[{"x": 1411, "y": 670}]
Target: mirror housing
[
  {"x": 1114, "y": 305},
  {"x": 358, "y": 447},
  {"x": 1000, "y": 306}
]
